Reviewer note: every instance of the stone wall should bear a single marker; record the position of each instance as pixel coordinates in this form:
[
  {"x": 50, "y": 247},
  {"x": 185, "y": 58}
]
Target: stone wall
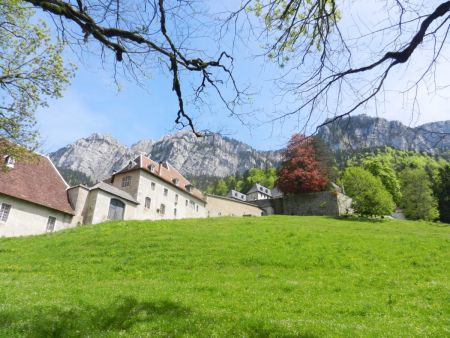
[
  {"x": 217, "y": 206},
  {"x": 307, "y": 204}
]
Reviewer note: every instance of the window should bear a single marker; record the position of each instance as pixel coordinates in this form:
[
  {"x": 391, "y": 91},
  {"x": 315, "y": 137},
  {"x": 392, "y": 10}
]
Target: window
[
  {"x": 9, "y": 161},
  {"x": 126, "y": 181},
  {"x": 148, "y": 201},
  {"x": 192, "y": 204},
  {"x": 187, "y": 202},
  {"x": 196, "y": 208},
  {"x": 153, "y": 185},
  {"x": 152, "y": 168},
  {"x": 162, "y": 209},
  {"x": 175, "y": 181},
  {"x": 51, "y": 223},
  {"x": 4, "y": 212},
  {"x": 166, "y": 192},
  {"x": 176, "y": 198},
  {"x": 175, "y": 212}
]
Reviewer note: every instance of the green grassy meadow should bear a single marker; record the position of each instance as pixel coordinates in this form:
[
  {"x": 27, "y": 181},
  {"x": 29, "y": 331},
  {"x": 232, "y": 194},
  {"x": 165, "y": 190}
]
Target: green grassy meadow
[{"x": 277, "y": 276}]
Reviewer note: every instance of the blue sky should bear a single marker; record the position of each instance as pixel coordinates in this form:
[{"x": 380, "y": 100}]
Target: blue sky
[{"x": 93, "y": 103}]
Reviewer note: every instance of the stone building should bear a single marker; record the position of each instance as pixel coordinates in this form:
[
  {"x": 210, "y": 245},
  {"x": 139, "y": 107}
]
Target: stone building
[
  {"x": 258, "y": 192},
  {"x": 144, "y": 189},
  {"x": 33, "y": 198}
]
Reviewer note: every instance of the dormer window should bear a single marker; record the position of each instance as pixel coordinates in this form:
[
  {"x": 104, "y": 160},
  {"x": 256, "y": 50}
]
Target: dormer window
[
  {"x": 189, "y": 187},
  {"x": 10, "y": 161},
  {"x": 152, "y": 168},
  {"x": 175, "y": 181},
  {"x": 126, "y": 181}
]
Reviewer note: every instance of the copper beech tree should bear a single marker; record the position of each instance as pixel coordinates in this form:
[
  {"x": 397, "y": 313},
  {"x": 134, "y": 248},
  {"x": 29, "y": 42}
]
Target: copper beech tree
[{"x": 301, "y": 170}]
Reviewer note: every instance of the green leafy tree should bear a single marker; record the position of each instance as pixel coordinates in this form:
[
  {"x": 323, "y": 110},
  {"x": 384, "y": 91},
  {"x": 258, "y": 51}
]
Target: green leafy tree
[
  {"x": 418, "y": 201},
  {"x": 370, "y": 198},
  {"x": 384, "y": 171},
  {"x": 75, "y": 177},
  {"x": 221, "y": 188},
  {"x": 31, "y": 70},
  {"x": 444, "y": 194}
]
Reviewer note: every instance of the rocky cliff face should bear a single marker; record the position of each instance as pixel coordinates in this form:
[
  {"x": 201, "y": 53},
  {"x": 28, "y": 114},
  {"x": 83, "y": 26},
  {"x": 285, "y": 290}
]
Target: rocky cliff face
[
  {"x": 98, "y": 155},
  {"x": 362, "y": 131}
]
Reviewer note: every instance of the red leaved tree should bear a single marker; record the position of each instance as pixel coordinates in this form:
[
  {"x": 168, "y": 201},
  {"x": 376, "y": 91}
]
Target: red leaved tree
[{"x": 300, "y": 169}]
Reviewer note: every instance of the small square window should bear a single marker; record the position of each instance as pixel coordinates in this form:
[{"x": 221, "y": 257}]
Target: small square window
[
  {"x": 4, "y": 212},
  {"x": 51, "y": 223},
  {"x": 166, "y": 192},
  {"x": 126, "y": 181},
  {"x": 148, "y": 202},
  {"x": 153, "y": 185}
]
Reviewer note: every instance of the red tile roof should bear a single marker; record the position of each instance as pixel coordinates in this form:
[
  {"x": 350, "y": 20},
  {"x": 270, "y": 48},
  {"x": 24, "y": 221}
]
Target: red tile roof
[
  {"x": 164, "y": 171},
  {"x": 37, "y": 181}
]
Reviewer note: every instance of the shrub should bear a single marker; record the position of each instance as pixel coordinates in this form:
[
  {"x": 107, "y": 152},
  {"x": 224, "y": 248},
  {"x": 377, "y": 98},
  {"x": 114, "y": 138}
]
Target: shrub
[{"x": 370, "y": 198}]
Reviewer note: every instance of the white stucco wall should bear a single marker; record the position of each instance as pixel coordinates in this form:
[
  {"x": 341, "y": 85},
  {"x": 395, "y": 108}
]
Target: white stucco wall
[
  {"x": 255, "y": 196},
  {"x": 97, "y": 208},
  {"x": 27, "y": 218},
  {"x": 195, "y": 208},
  {"x": 78, "y": 196}
]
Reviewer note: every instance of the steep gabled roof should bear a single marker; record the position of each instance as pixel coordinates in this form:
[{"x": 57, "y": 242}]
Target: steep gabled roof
[
  {"x": 36, "y": 181},
  {"x": 165, "y": 172},
  {"x": 260, "y": 188}
]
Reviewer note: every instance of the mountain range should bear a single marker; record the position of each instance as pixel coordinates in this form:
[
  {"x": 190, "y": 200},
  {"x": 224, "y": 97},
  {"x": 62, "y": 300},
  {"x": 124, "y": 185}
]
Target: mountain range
[{"x": 97, "y": 156}]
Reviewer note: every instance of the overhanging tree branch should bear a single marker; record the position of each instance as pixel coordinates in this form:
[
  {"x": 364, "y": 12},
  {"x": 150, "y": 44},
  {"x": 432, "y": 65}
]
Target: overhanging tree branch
[{"x": 123, "y": 42}]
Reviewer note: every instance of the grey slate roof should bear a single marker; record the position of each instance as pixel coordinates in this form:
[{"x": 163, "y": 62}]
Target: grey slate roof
[
  {"x": 114, "y": 191},
  {"x": 237, "y": 195},
  {"x": 260, "y": 188}
]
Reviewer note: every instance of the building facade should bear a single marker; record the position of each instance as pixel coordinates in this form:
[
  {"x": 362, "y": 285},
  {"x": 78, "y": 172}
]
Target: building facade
[{"x": 33, "y": 198}]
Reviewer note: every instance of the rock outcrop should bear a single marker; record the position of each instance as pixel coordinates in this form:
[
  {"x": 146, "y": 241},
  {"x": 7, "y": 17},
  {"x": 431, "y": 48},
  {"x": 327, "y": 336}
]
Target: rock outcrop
[
  {"x": 99, "y": 155},
  {"x": 362, "y": 131}
]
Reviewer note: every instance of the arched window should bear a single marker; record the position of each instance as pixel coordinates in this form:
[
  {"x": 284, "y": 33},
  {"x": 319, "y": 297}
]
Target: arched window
[{"x": 116, "y": 209}]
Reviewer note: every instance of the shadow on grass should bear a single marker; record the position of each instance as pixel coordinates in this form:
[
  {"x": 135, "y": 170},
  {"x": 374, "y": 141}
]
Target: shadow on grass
[
  {"x": 358, "y": 219},
  {"x": 161, "y": 317},
  {"x": 54, "y": 321}
]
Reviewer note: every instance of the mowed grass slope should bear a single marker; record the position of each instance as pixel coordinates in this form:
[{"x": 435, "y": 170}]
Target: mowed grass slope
[{"x": 275, "y": 276}]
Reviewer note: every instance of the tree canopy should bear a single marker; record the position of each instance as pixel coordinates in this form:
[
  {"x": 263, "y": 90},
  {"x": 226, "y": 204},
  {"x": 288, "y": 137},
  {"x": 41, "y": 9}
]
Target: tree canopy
[
  {"x": 300, "y": 169},
  {"x": 370, "y": 198},
  {"x": 321, "y": 64},
  {"x": 417, "y": 201},
  {"x": 31, "y": 71}
]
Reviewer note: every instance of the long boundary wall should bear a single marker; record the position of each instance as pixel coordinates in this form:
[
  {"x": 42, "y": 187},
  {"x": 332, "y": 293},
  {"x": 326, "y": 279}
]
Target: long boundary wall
[{"x": 324, "y": 203}]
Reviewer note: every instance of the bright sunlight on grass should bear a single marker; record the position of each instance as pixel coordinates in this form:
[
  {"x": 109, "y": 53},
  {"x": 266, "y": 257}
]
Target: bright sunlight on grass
[{"x": 256, "y": 277}]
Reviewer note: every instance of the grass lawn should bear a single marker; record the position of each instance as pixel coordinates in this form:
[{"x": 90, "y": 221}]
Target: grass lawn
[{"x": 274, "y": 276}]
